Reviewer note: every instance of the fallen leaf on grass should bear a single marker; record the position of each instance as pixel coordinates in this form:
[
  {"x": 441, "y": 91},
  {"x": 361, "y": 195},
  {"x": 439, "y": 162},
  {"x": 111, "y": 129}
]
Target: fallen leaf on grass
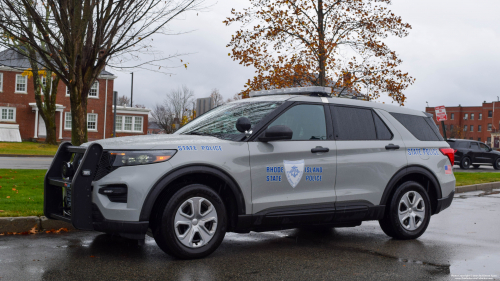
[
  {"x": 92, "y": 256},
  {"x": 14, "y": 189},
  {"x": 8, "y": 196},
  {"x": 1, "y": 211}
]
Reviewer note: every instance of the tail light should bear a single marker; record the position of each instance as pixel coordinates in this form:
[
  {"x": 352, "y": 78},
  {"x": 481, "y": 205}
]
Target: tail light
[{"x": 450, "y": 152}]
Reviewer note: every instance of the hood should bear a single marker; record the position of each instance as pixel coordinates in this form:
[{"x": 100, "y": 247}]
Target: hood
[{"x": 154, "y": 141}]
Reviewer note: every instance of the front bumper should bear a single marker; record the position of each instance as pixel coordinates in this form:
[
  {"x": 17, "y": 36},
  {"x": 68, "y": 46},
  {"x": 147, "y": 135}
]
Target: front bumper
[{"x": 79, "y": 210}]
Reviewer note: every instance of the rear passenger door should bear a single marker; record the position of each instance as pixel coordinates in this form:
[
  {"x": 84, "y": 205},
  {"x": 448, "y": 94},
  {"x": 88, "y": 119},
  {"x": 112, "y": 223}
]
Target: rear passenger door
[
  {"x": 477, "y": 155},
  {"x": 369, "y": 152}
]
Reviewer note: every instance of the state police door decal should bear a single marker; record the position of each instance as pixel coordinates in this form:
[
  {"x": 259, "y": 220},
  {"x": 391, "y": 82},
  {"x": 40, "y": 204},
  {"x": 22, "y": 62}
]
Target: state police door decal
[{"x": 294, "y": 171}]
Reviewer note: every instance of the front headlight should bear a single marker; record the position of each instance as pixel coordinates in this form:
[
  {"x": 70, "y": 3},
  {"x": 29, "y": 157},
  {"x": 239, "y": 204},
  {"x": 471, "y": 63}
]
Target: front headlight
[{"x": 131, "y": 158}]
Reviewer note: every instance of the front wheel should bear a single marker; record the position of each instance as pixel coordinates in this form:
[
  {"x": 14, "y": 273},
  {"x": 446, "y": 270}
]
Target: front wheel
[
  {"x": 192, "y": 224},
  {"x": 408, "y": 213},
  {"x": 496, "y": 164}
]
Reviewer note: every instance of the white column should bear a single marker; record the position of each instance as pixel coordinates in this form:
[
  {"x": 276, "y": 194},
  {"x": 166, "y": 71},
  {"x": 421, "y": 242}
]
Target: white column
[
  {"x": 60, "y": 124},
  {"x": 36, "y": 123}
]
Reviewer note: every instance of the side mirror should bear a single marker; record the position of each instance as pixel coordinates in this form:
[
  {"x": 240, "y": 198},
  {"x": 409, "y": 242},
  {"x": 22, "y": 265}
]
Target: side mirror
[
  {"x": 243, "y": 124},
  {"x": 278, "y": 132}
]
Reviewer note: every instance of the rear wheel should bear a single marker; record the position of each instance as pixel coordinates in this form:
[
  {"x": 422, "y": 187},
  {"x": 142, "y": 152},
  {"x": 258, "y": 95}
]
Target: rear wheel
[
  {"x": 192, "y": 224},
  {"x": 476, "y": 166},
  {"x": 465, "y": 163},
  {"x": 409, "y": 212},
  {"x": 496, "y": 164}
]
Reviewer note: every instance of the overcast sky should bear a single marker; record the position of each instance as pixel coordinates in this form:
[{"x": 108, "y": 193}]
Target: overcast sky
[{"x": 453, "y": 51}]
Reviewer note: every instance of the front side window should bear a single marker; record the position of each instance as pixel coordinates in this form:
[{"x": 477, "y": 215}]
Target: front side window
[
  {"x": 474, "y": 146},
  {"x": 21, "y": 82},
  {"x": 91, "y": 121},
  {"x": 307, "y": 122},
  {"x": 67, "y": 121},
  {"x": 221, "y": 121},
  {"x": 483, "y": 146},
  {"x": 8, "y": 114}
]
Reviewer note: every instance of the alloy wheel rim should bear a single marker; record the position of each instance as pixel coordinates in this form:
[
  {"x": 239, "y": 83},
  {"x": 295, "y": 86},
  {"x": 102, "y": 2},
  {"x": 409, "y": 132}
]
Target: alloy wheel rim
[
  {"x": 195, "y": 222},
  {"x": 411, "y": 210}
]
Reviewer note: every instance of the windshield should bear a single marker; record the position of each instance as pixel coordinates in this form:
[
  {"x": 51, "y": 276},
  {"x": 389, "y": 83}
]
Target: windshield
[{"x": 221, "y": 121}]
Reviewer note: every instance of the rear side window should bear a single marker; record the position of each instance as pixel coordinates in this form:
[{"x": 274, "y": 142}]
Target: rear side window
[
  {"x": 383, "y": 132},
  {"x": 452, "y": 144},
  {"x": 359, "y": 124},
  {"x": 463, "y": 145},
  {"x": 474, "y": 146},
  {"x": 419, "y": 126}
]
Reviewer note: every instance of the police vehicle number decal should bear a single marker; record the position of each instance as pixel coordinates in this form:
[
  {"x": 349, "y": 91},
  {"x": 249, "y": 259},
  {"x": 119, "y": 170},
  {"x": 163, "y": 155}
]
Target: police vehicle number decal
[{"x": 422, "y": 151}]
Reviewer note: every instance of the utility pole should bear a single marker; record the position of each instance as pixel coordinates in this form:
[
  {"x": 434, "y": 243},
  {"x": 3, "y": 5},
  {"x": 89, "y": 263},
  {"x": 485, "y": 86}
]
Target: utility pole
[
  {"x": 131, "y": 89},
  {"x": 115, "y": 97}
]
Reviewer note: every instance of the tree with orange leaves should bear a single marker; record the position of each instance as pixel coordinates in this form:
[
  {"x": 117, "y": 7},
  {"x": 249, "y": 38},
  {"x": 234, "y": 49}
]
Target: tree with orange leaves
[{"x": 336, "y": 43}]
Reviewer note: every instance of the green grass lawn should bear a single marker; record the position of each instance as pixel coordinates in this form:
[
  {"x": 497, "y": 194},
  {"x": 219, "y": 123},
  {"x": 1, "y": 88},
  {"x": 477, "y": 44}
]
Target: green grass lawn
[
  {"x": 27, "y": 148},
  {"x": 476, "y": 178},
  {"x": 21, "y": 192}
]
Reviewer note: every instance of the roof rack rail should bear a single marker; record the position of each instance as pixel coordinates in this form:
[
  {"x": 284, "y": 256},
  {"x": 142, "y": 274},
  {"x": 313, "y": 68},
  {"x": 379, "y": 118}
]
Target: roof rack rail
[{"x": 306, "y": 91}]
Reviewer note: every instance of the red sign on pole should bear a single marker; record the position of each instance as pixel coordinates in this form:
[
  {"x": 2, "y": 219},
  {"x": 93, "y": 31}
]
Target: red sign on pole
[{"x": 441, "y": 113}]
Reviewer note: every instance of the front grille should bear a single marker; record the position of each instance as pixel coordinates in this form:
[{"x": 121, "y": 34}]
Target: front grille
[{"x": 105, "y": 166}]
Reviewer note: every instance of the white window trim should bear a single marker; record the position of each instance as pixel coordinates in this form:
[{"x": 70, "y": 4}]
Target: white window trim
[
  {"x": 122, "y": 129},
  {"x": 65, "y": 118},
  {"x": 1, "y": 82},
  {"x": 7, "y": 120},
  {"x": 89, "y": 96},
  {"x": 97, "y": 91},
  {"x": 96, "y": 124},
  {"x": 21, "y": 92}
]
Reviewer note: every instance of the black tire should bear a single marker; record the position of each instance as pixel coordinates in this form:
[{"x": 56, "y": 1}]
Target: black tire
[
  {"x": 165, "y": 234},
  {"x": 476, "y": 166},
  {"x": 465, "y": 163},
  {"x": 391, "y": 224},
  {"x": 496, "y": 164}
]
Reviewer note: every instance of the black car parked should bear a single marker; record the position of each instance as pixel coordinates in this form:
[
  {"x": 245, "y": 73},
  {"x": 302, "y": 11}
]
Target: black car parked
[{"x": 475, "y": 153}]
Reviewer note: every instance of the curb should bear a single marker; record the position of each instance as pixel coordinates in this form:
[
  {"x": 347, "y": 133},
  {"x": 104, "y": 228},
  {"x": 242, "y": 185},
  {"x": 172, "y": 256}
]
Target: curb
[
  {"x": 26, "y": 224},
  {"x": 483, "y": 186},
  {"x": 25, "y": 155}
]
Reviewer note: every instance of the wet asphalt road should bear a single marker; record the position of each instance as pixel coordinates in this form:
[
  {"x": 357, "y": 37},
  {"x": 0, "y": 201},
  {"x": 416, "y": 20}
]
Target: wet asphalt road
[
  {"x": 463, "y": 239},
  {"x": 25, "y": 162}
]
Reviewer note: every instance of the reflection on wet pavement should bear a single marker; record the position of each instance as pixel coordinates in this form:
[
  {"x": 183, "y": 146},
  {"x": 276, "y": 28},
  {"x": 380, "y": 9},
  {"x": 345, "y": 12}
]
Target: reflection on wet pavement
[{"x": 461, "y": 240}]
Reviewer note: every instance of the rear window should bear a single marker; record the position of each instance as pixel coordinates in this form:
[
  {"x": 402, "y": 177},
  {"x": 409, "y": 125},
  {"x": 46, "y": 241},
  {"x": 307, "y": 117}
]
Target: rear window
[{"x": 422, "y": 128}]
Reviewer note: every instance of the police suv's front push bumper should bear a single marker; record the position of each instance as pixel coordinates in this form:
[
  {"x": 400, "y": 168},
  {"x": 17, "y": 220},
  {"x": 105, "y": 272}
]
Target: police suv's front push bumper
[{"x": 70, "y": 199}]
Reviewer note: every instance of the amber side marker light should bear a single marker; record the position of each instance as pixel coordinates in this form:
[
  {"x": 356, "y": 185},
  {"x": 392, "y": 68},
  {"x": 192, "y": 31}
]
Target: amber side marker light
[{"x": 162, "y": 158}]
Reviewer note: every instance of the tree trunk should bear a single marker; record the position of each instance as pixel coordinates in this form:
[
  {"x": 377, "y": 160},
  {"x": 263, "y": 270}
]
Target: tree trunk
[
  {"x": 78, "y": 115},
  {"x": 321, "y": 45}
]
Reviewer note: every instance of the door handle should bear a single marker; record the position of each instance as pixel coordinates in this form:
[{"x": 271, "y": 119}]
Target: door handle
[
  {"x": 391, "y": 146},
  {"x": 319, "y": 149}
]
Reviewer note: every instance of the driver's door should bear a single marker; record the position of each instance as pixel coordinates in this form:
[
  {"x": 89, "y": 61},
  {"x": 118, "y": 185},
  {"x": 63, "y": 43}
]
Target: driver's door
[{"x": 300, "y": 171}]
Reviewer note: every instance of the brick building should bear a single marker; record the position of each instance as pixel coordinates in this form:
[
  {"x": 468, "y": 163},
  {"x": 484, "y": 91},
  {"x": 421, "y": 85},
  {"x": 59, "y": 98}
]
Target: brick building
[
  {"x": 480, "y": 123},
  {"x": 19, "y": 118}
]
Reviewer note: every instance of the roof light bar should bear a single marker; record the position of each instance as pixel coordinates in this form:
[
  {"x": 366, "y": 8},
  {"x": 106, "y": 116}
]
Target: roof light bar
[{"x": 309, "y": 91}]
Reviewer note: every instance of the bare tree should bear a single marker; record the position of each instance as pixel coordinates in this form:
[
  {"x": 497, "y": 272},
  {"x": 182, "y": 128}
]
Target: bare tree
[
  {"x": 164, "y": 117},
  {"x": 235, "y": 97},
  {"x": 81, "y": 37},
  {"x": 123, "y": 101},
  {"x": 217, "y": 98},
  {"x": 179, "y": 100}
]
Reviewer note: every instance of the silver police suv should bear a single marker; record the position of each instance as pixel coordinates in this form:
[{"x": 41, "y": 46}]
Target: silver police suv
[{"x": 279, "y": 160}]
